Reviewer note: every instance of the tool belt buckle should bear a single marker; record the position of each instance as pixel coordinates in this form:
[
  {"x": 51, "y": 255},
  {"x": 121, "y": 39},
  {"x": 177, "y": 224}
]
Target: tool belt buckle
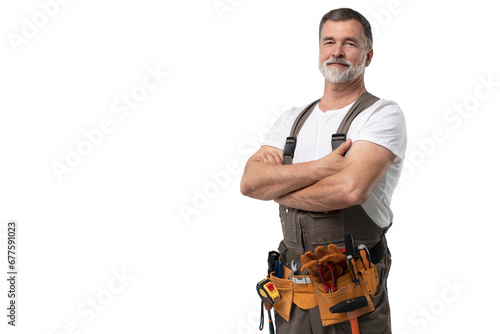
[{"x": 301, "y": 280}]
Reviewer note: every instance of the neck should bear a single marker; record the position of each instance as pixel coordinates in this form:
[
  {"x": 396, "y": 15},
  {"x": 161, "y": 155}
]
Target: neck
[{"x": 339, "y": 95}]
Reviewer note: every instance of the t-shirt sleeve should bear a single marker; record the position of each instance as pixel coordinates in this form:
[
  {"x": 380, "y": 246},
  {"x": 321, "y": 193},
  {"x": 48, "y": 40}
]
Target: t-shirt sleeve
[
  {"x": 276, "y": 137},
  {"x": 386, "y": 127}
]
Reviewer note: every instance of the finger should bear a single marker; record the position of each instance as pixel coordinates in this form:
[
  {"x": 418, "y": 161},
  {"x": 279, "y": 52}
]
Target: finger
[
  {"x": 271, "y": 158},
  {"x": 321, "y": 251},
  {"x": 332, "y": 248},
  {"x": 277, "y": 158},
  {"x": 344, "y": 147},
  {"x": 264, "y": 158}
]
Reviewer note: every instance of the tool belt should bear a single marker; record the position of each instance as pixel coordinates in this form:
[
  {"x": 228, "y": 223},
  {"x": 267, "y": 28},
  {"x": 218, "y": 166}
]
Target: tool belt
[{"x": 308, "y": 291}]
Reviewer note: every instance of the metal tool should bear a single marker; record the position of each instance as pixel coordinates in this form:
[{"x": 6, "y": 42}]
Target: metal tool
[
  {"x": 294, "y": 269},
  {"x": 349, "y": 306}
]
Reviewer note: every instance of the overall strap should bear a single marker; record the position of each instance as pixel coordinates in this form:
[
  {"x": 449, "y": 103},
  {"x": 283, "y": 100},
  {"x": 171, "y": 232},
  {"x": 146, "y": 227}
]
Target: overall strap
[
  {"x": 291, "y": 141},
  {"x": 364, "y": 101}
]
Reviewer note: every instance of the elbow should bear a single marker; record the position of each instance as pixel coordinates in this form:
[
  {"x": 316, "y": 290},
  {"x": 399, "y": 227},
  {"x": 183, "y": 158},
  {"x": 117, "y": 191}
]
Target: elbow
[
  {"x": 251, "y": 189},
  {"x": 247, "y": 187},
  {"x": 356, "y": 193}
]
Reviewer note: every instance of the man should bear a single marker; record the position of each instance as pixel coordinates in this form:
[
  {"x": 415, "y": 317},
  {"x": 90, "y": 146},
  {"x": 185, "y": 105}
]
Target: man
[{"x": 357, "y": 178}]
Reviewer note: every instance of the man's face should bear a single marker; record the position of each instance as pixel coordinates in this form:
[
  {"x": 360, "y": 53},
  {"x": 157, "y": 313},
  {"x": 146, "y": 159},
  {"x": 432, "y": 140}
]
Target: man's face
[{"x": 342, "y": 52}]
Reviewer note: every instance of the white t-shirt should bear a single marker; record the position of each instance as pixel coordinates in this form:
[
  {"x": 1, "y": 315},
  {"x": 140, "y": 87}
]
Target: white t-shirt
[{"x": 383, "y": 123}]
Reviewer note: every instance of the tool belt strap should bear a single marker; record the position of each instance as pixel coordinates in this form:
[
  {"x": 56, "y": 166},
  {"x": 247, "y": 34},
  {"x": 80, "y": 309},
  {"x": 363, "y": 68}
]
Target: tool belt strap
[{"x": 378, "y": 251}]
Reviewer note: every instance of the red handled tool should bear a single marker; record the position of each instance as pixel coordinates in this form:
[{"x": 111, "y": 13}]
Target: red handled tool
[{"x": 348, "y": 306}]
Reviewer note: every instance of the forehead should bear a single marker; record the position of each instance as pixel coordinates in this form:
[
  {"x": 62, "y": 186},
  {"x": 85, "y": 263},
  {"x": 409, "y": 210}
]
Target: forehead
[{"x": 343, "y": 29}]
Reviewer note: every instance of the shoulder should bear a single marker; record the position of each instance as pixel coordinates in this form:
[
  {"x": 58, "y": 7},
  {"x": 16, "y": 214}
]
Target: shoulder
[
  {"x": 386, "y": 111},
  {"x": 387, "y": 106}
]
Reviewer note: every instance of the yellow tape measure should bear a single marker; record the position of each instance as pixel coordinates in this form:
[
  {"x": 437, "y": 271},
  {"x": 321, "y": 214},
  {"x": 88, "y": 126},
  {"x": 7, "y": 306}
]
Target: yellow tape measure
[{"x": 267, "y": 291}]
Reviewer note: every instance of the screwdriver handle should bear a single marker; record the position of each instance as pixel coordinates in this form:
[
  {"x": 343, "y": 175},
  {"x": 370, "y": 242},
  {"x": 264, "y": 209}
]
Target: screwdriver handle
[
  {"x": 352, "y": 267},
  {"x": 365, "y": 256}
]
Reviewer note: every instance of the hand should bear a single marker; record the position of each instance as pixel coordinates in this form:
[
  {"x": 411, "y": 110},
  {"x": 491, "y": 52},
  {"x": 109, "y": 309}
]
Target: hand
[
  {"x": 336, "y": 161},
  {"x": 271, "y": 157}
]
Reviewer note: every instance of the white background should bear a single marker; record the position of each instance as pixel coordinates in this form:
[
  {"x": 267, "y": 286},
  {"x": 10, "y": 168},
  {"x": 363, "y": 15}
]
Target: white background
[{"x": 144, "y": 201}]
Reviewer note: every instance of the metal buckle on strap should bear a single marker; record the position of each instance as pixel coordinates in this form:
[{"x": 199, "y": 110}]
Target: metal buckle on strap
[
  {"x": 301, "y": 280},
  {"x": 337, "y": 140},
  {"x": 290, "y": 144}
]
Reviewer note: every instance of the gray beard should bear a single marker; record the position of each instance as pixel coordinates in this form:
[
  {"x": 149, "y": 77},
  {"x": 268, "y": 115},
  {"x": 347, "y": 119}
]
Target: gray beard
[{"x": 339, "y": 74}]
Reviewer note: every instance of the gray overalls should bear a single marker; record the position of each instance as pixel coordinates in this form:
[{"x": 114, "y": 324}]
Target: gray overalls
[{"x": 304, "y": 231}]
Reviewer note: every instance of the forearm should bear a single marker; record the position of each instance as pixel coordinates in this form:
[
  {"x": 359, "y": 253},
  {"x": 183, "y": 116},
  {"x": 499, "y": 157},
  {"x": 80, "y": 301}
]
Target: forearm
[
  {"x": 350, "y": 186},
  {"x": 331, "y": 193},
  {"x": 267, "y": 181},
  {"x": 266, "y": 177}
]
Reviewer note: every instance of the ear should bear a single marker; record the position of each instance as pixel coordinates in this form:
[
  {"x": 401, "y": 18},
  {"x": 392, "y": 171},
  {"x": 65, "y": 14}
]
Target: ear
[{"x": 369, "y": 56}]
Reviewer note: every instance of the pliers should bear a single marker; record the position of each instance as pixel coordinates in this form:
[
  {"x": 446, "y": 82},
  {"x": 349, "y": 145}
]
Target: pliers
[{"x": 333, "y": 286}]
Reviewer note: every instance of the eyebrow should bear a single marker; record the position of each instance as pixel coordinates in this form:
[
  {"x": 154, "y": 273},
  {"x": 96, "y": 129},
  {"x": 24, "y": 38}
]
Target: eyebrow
[{"x": 351, "y": 39}]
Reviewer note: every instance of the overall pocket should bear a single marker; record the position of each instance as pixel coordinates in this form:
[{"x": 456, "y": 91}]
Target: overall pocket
[
  {"x": 288, "y": 224},
  {"x": 326, "y": 228}
]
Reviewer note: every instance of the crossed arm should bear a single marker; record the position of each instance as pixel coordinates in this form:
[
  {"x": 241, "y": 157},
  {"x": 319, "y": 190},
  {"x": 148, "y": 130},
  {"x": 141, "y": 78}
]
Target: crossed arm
[{"x": 330, "y": 183}]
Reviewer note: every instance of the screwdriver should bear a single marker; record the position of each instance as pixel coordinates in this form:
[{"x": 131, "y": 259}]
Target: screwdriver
[
  {"x": 352, "y": 267},
  {"x": 365, "y": 256}
]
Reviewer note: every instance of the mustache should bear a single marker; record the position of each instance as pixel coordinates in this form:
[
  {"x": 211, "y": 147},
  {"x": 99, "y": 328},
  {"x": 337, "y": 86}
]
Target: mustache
[{"x": 335, "y": 60}]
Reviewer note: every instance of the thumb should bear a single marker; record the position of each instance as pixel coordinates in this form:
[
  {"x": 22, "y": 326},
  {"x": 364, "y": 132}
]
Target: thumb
[{"x": 344, "y": 147}]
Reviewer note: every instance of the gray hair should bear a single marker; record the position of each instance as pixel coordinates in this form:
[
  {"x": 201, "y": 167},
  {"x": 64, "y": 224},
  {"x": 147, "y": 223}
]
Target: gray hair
[{"x": 345, "y": 14}]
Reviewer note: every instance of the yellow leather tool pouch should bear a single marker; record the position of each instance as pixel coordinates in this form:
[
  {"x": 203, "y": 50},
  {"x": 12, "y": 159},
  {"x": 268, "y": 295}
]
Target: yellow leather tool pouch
[
  {"x": 307, "y": 296},
  {"x": 370, "y": 277},
  {"x": 283, "y": 305},
  {"x": 347, "y": 289}
]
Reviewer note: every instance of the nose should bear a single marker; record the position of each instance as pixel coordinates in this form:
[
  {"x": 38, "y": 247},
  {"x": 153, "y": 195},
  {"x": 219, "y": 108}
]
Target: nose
[{"x": 337, "y": 51}]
